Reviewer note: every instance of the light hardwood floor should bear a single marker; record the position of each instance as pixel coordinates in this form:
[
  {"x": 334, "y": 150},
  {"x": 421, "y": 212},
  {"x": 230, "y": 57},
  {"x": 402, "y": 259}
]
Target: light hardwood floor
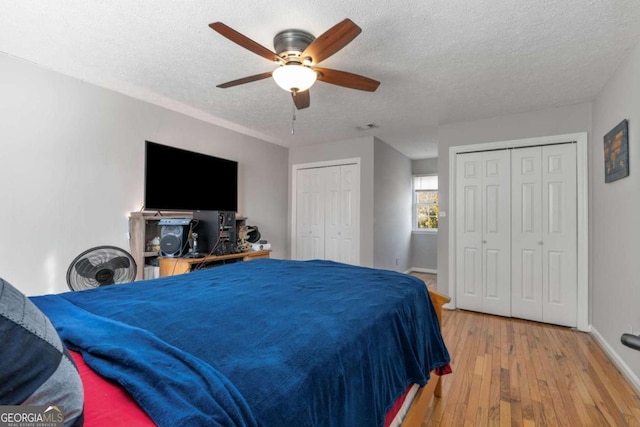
[{"x": 512, "y": 372}]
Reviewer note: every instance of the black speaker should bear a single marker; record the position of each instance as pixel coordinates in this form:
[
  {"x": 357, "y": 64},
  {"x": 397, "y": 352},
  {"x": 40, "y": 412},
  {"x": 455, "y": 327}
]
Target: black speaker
[
  {"x": 174, "y": 237},
  {"x": 217, "y": 229}
]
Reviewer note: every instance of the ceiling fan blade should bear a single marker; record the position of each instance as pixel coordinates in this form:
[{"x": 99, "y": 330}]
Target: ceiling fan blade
[
  {"x": 350, "y": 80},
  {"x": 244, "y": 80},
  {"x": 301, "y": 99},
  {"x": 244, "y": 41},
  {"x": 331, "y": 41}
]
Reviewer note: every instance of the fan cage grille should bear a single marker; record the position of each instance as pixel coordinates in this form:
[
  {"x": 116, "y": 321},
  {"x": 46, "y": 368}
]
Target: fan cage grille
[{"x": 101, "y": 266}]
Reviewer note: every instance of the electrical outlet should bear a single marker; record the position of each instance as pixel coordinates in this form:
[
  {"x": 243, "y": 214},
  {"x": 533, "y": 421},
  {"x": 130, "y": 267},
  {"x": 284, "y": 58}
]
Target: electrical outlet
[
  {"x": 630, "y": 328},
  {"x": 396, "y": 261}
]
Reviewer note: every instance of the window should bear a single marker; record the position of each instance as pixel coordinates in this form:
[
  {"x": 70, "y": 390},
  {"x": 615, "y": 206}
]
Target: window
[{"x": 425, "y": 202}]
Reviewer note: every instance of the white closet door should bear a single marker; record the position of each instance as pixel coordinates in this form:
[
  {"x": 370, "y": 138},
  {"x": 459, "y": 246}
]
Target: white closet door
[
  {"x": 483, "y": 232},
  {"x": 333, "y": 213},
  {"x": 559, "y": 235},
  {"x": 310, "y": 208},
  {"x": 469, "y": 231},
  {"x": 327, "y": 213},
  {"x": 496, "y": 254},
  {"x": 544, "y": 268},
  {"x": 526, "y": 231},
  {"x": 341, "y": 214}
]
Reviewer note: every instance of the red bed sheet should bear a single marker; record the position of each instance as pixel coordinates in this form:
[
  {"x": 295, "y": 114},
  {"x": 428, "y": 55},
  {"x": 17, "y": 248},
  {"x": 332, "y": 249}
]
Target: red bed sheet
[{"x": 107, "y": 404}]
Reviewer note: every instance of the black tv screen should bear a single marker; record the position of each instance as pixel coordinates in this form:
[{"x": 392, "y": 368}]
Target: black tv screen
[{"x": 177, "y": 179}]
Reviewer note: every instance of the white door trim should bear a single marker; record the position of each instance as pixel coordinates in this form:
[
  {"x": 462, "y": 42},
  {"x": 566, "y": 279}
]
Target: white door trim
[
  {"x": 294, "y": 191},
  {"x": 582, "y": 163}
]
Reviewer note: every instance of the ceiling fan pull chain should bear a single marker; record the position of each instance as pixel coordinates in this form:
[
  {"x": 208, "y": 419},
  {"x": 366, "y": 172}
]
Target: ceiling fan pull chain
[{"x": 293, "y": 118}]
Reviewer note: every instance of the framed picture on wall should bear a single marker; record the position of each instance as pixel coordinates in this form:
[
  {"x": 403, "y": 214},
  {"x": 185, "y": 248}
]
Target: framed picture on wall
[{"x": 616, "y": 152}]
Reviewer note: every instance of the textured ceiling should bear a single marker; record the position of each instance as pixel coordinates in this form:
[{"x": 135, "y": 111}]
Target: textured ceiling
[{"x": 438, "y": 61}]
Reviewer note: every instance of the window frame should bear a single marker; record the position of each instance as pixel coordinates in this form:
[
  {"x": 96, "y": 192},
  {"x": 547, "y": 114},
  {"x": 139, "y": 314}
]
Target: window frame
[{"x": 415, "y": 205}]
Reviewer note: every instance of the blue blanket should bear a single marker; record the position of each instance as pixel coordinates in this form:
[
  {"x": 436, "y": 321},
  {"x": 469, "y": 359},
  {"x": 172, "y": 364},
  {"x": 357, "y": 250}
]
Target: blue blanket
[{"x": 266, "y": 342}]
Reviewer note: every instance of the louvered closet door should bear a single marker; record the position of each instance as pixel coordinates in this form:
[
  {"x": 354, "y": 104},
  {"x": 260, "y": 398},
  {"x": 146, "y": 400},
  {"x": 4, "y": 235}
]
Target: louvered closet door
[
  {"x": 310, "y": 206},
  {"x": 483, "y": 235},
  {"x": 544, "y": 270}
]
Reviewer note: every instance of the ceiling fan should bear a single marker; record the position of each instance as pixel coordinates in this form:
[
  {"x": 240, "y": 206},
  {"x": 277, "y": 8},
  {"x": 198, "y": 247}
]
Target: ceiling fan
[{"x": 298, "y": 53}]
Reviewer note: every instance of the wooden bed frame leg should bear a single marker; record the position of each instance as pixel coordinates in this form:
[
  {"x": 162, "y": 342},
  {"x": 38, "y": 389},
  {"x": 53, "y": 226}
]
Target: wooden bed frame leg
[
  {"x": 438, "y": 300},
  {"x": 437, "y": 392}
]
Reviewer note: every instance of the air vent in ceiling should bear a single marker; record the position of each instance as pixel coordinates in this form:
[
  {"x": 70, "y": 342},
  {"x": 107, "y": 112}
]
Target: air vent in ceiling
[{"x": 367, "y": 126}]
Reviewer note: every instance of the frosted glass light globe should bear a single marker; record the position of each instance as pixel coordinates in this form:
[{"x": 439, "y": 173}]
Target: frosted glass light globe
[{"x": 294, "y": 77}]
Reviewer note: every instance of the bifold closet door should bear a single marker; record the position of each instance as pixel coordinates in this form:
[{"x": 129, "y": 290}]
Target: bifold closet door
[
  {"x": 526, "y": 220},
  {"x": 341, "y": 214},
  {"x": 544, "y": 244},
  {"x": 327, "y": 213},
  {"x": 483, "y": 235}
]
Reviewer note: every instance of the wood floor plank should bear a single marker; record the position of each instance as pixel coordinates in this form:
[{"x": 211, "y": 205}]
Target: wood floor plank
[
  {"x": 543, "y": 405},
  {"x": 477, "y": 346},
  {"x": 522, "y": 360},
  {"x": 482, "y": 412},
  {"x": 494, "y": 389}
]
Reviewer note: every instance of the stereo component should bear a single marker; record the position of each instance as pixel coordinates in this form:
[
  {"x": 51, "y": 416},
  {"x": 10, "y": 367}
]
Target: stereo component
[
  {"x": 216, "y": 231},
  {"x": 174, "y": 236}
]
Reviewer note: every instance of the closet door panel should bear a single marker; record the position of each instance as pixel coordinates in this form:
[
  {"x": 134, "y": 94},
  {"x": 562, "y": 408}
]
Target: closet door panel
[
  {"x": 469, "y": 232},
  {"x": 349, "y": 214},
  {"x": 496, "y": 231},
  {"x": 333, "y": 213},
  {"x": 559, "y": 204},
  {"x": 310, "y": 205},
  {"x": 492, "y": 273},
  {"x": 526, "y": 231}
]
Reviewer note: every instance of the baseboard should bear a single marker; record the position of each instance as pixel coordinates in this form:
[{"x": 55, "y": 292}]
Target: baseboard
[
  {"x": 422, "y": 270},
  {"x": 629, "y": 375}
]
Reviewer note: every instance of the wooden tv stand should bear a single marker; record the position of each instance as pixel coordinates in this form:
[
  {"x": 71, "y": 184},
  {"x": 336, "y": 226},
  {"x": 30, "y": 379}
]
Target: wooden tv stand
[{"x": 174, "y": 266}]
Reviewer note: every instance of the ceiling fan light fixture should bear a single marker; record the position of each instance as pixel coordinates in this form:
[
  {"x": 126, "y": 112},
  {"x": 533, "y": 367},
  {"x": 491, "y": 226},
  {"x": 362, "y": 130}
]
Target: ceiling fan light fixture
[{"x": 294, "y": 77}]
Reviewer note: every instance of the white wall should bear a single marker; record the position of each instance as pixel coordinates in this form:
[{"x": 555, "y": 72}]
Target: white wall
[
  {"x": 355, "y": 148},
  {"x": 424, "y": 245},
  {"x": 72, "y": 168},
  {"x": 392, "y": 208},
  {"x": 552, "y": 121},
  {"x": 615, "y": 207},
  {"x": 424, "y": 166}
]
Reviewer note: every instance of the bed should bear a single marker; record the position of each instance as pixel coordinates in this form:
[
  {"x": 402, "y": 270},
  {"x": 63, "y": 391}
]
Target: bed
[{"x": 266, "y": 342}]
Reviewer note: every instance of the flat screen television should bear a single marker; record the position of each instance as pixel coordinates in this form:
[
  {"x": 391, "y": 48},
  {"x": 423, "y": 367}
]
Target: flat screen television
[{"x": 182, "y": 180}]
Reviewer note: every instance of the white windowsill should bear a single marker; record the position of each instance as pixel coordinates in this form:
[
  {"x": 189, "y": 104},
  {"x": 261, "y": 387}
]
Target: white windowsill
[{"x": 423, "y": 231}]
